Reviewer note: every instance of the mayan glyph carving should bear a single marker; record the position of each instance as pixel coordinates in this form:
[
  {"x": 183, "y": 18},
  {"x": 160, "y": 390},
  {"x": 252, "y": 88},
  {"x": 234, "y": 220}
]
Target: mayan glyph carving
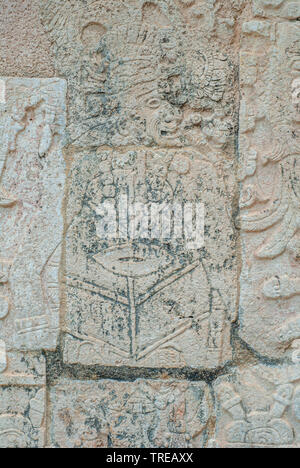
[
  {"x": 269, "y": 174},
  {"x": 23, "y": 402},
  {"x": 259, "y": 407},
  {"x": 32, "y": 187},
  {"x": 135, "y": 87},
  {"x": 135, "y": 82},
  {"x": 143, "y": 414},
  {"x": 129, "y": 280},
  {"x": 150, "y": 224}
]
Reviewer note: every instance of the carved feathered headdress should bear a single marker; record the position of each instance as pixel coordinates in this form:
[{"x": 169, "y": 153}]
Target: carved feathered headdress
[
  {"x": 137, "y": 55},
  {"x": 136, "y": 58}
]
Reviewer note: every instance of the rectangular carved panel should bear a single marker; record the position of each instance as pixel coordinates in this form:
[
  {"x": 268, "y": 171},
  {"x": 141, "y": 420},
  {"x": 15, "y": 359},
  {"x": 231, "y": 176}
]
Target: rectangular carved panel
[
  {"x": 23, "y": 401},
  {"x": 129, "y": 414},
  {"x": 32, "y": 177},
  {"x": 152, "y": 120},
  {"x": 132, "y": 296},
  {"x": 259, "y": 407},
  {"x": 150, "y": 224},
  {"x": 269, "y": 174}
]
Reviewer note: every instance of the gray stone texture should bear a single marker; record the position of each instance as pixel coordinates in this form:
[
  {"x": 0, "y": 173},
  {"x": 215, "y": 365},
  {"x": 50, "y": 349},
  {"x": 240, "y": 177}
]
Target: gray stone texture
[{"x": 149, "y": 224}]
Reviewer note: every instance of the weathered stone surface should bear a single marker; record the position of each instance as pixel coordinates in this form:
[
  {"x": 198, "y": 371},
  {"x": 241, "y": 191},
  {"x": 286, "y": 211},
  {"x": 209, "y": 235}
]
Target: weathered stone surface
[
  {"x": 269, "y": 146},
  {"x": 140, "y": 73},
  {"x": 173, "y": 306},
  {"x": 258, "y": 407},
  {"x": 25, "y": 47},
  {"x": 149, "y": 223},
  {"x": 121, "y": 414},
  {"x": 135, "y": 84},
  {"x": 32, "y": 176},
  {"x": 287, "y": 9},
  {"x": 23, "y": 402}
]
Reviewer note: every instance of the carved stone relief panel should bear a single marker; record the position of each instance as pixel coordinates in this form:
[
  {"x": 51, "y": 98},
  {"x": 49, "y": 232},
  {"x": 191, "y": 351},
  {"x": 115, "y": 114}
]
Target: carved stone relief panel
[
  {"x": 23, "y": 401},
  {"x": 151, "y": 294},
  {"x": 142, "y": 414},
  {"x": 141, "y": 73},
  {"x": 136, "y": 85},
  {"x": 32, "y": 177},
  {"x": 258, "y": 407},
  {"x": 269, "y": 174},
  {"x": 150, "y": 223}
]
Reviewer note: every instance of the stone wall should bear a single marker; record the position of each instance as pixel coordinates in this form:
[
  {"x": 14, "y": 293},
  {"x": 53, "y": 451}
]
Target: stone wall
[{"x": 150, "y": 223}]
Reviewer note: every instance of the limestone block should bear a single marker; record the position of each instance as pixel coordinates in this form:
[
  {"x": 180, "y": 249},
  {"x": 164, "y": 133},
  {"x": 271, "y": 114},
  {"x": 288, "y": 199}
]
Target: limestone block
[
  {"x": 142, "y": 73},
  {"x": 25, "y": 47},
  {"x": 23, "y": 402},
  {"x": 150, "y": 223},
  {"x": 140, "y": 294},
  {"x": 270, "y": 193},
  {"x": 287, "y": 9},
  {"x": 32, "y": 177},
  {"x": 258, "y": 407},
  {"x": 143, "y": 414}
]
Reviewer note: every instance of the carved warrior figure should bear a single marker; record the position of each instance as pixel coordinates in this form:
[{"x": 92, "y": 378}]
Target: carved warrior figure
[
  {"x": 283, "y": 208},
  {"x": 176, "y": 421},
  {"x": 135, "y": 82},
  {"x": 166, "y": 414},
  {"x": 151, "y": 93},
  {"x": 9, "y": 132}
]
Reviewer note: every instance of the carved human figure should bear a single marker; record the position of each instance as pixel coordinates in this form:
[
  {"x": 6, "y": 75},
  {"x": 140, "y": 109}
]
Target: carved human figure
[
  {"x": 135, "y": 82},
  {"x": 34, "y": 125},
  {"x": 283, "y": 207},
  {"x": 257, "y": 428}
]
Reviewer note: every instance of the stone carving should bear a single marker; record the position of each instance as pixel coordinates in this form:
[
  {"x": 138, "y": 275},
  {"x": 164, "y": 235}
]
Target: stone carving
[
  {"x": 164, "y": 102},
  {"x": 121, "y": 414},
  {"x": 32, "y": 178},
  {"x": 282, "y": 287},
  {"x": 22, "y": 402},
  {"x": 147, "y": 231},
  {"x": 137, "y": 83},
  {"x": 3, "y": 356},
  {"x": 269, "y": 171},
  {"x": 122, "y": 307},
  {"x": 257, "y": 407}
]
